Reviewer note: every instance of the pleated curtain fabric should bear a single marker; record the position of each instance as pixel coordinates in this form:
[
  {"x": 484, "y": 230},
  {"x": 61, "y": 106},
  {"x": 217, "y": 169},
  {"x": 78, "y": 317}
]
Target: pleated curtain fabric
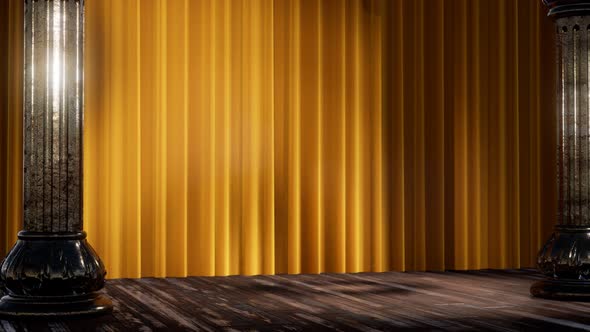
[{"x": 303, "y": 136}]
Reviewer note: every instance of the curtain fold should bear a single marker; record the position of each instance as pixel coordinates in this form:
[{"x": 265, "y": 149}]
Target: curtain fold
[
  {"x": 302, "y": 136},
  {"x": 11, "y": 120}
]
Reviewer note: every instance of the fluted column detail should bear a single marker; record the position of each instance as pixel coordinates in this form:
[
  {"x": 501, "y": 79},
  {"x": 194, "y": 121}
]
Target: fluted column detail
[
  {"x": 53, "y": 115},
  {"x": 573, "y": 121}
]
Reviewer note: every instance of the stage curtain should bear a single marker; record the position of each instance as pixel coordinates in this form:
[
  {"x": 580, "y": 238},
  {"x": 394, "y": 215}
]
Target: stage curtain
[{"x": 304, "y": 136}]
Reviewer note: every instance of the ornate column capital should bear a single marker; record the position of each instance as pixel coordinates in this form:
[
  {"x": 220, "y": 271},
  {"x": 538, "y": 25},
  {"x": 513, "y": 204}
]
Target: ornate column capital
[{"x": 562, "y": 8}]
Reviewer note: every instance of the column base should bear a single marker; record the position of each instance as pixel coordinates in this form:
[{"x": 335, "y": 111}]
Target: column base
[
  {"x": 54, "y": 306},
  {"x": 565, "y": 260},
  {"x": 51, "y": 275},
  {"x": 562, "y": 289}
]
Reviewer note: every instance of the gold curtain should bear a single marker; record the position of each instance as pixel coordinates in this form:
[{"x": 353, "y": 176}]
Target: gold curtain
[
  {"x": 11, "y": 94},
  {"x": 303, "y": 136}
]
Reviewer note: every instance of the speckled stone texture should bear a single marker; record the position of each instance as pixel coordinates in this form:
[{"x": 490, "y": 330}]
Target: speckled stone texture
[
  {"x": 573, "y": 120},
  {"x": 53, "y": 117}
]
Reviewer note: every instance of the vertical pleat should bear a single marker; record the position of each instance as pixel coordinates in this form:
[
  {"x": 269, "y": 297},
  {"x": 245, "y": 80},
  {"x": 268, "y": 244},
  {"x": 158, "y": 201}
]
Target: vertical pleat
[
  {"x": 11, "y": 121},
  {"x": 95, "y": 65},
  {"x": 450, "y": 78},
  {"x": 114, "y": 132},
  {"x": 374, "y": 257},
  {"x": 224, "y": 160},
  {"x": 311, "y": 140},
  {"x": 268, "y": 136},
  {"x": 482, "y": 41},
  {"x": 14, "y": 158},
  {"x": 508, "y": 144},
  {"x": 148, "y": 88},
  {"x": 410, "y": 82},
  {"x": 532, "y": 121},
  {"x": 287, "y": 130},
  {"x": 92, "y": 76},
  {"x": 472, "y": 137},
  {"x": 333, "y": 134},
  {"x": 237, "y": 155},
  {"x": 394, "y": 91},
  {"x": 283, "y": 50},
  {"x": 354, "y": 124},
  {"x": 175, "y": 136},
  {"x": 254, "y": 128},
  {"x": 461, "y": 99},
  {"x": 161, "y": 132},
  {"x": 513, "y": 153},
  {"x": 4, "y": 111},
  {"x": 434, "y": 148},
  {"x": 497, "y": 252},
  {"x": 419, "y": 134},
  {"x": 132, "y": 144},
  {"x": 201, "y": 179},
  {"x": 302, "y": 136},
  {"x": 523, "y": 131},
  {"x": 293, "y": 145},
  {"x": 251, "y": 140}
]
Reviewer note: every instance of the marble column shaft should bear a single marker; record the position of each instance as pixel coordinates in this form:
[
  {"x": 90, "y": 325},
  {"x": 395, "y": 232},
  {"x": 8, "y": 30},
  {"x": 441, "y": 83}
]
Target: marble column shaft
[
  {"x": 573, "y": 120},
  {"x": 53, "y": 115}
]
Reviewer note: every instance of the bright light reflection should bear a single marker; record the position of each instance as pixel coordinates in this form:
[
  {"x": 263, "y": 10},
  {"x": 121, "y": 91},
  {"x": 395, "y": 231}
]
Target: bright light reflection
[{"x": 57, "y": 59}]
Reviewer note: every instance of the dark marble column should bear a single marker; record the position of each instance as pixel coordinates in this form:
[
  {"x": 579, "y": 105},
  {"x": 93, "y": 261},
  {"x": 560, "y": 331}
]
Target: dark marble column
[
  {"x": 53, "y": 116},
  {"x": 52, "y": 270},
  {"x": 565, "y": 258}
]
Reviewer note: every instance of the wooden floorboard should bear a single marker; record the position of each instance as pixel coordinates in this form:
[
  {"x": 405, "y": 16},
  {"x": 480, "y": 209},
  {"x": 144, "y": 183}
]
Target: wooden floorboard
[{"x": 392, "y": 301}]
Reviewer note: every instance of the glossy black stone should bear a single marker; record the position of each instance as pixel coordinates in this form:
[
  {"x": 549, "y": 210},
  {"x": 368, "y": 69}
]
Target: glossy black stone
[
  {"x": 68, "y": 306},
  {"x": 558, "y": 289},
  {"x": 566, "y": 255},
  {"x": 52, "y": 274},
  {"x": 562, "y": 8},
  {"x": 565, "y": 260}
]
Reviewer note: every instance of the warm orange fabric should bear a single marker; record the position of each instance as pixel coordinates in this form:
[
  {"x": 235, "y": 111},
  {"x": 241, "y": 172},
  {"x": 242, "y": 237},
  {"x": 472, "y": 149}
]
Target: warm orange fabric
[{"x": 302, "y": 136}]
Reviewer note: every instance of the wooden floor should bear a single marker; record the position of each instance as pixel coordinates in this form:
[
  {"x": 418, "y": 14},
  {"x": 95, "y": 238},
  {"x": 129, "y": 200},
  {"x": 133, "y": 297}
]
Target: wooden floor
[{"x": 482, "y": 300}]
